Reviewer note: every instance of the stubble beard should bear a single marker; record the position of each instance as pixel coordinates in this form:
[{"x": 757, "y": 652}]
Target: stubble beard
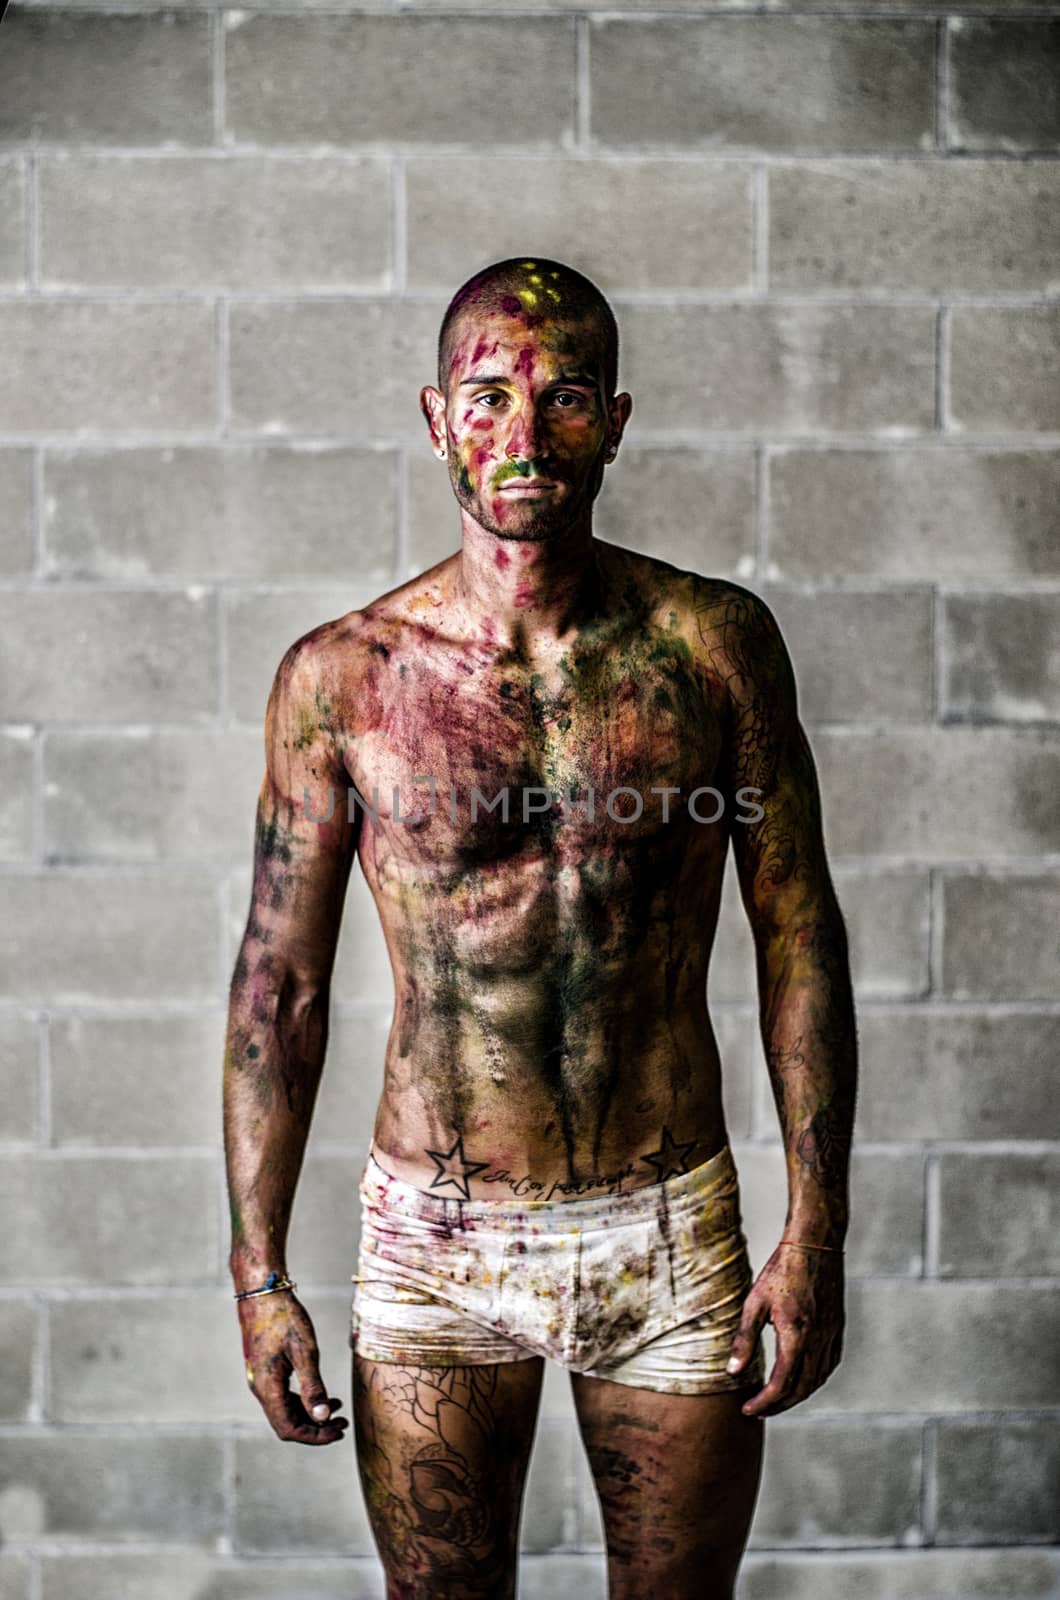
[{"x": 546, "y": 522}]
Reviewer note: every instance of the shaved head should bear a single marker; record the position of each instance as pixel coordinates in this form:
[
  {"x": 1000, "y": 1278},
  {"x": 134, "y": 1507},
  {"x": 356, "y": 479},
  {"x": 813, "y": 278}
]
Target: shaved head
[{"x": 536, "y": 291}]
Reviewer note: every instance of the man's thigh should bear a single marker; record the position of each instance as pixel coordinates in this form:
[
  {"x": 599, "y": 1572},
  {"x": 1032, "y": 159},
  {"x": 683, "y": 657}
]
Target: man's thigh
[
  {"x": 677, "y": 1476},
  {"x": 442, "y": 1454}
]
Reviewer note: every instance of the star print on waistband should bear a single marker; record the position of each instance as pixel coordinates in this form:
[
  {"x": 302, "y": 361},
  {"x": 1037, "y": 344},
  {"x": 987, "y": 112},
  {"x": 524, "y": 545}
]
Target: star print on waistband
[
  {"x": 457, "y": 1157},
  {"x": 671, "y": 1159}
]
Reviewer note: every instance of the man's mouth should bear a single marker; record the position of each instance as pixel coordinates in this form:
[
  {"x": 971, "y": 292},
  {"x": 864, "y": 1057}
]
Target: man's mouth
[{"x": 528, "y": 486}]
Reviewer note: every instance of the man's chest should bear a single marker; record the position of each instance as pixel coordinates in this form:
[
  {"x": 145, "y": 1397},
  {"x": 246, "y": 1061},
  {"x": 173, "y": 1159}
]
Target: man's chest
[{"x": 491, "y": 752}]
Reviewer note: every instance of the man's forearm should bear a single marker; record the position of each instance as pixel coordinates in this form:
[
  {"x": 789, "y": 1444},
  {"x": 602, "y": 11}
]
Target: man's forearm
[
  {"x": 810, "y": 1039},
  {"x": 274, "y": 1057}
]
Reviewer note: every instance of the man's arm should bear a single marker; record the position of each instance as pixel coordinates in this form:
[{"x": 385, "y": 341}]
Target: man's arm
[
  {"x": 806, "y": 1004},
  {"x": 278, "y": 1017}
]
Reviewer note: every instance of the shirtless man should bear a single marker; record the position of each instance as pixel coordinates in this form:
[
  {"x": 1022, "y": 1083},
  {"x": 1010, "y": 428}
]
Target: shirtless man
[{"x": 549, "y": 1174}]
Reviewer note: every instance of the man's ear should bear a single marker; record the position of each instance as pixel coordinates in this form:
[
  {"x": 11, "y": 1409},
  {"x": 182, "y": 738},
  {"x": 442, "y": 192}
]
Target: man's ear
[
  {"x": 432, "y": 404},
  {"x": 619, "y": 413}
]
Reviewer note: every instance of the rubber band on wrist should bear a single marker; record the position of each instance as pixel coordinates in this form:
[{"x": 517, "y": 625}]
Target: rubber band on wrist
[
  {"x": 800, "y": 1246},
  {"x": 272, "y": 1285}
]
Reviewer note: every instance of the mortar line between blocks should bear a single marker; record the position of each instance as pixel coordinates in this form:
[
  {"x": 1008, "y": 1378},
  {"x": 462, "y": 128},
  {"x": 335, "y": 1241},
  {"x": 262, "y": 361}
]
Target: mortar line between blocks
[
  {"x": 760, "y": 228},
  {"x": 31, "y": 213},
  {"x": 760, "y": 512},
  {"x": 944, "y": 371},
  {"x": 44, "y": 1082},
  {"x": 944, "y": 123},
  {"x": 935, "y": 664},
  {"x": 932, "y": 1188},
  {"x": 920, "y": 442},
  {"x": 399, "y": 245},
  {"x": 40, "y": 1406},
  {"x": 929, "y": 1483},
  {"x": 597, "y": 10},
  {"x": 227, "y": 1542},
  {"x": 582, "y": 86},
  {"x": 221, "y": 349},
  {"x": 939, "y": 49},
  {"x": 353, "y": 150},
  {"x": 725, "y": 297},
  {"x": 936, "y": 930},
  {"x": 217, "y": 68}
]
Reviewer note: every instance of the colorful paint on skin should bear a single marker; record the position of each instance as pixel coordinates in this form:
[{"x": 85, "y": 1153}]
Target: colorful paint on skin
[{"x": 550, "y": 1019}]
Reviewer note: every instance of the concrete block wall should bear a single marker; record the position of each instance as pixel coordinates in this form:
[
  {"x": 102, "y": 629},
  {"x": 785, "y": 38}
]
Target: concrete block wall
[{"x": 831, "y": 234}]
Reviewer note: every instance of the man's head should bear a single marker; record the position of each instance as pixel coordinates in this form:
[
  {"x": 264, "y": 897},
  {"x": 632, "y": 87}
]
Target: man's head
[{"x": 527, "y": 369}]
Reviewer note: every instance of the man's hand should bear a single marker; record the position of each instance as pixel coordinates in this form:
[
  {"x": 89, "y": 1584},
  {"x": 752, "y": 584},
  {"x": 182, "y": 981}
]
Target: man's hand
[
  {"x": 278, "y": 1339},
  {"x": 801, "y": 1293}
]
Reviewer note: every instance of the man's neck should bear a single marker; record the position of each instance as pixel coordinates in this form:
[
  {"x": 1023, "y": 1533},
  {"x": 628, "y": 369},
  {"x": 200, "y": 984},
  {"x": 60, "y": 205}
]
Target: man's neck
[{"x": 527, "y": 594}]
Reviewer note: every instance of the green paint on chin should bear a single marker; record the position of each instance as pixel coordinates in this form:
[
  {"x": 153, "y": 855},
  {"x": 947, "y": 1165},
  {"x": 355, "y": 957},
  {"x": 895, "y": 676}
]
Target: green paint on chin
[{"x": 253, "y": 1051}]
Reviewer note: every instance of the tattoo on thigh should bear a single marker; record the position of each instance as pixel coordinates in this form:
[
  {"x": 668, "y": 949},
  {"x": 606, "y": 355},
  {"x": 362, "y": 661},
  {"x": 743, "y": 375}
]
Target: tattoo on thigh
[{"x": 434, "y": 1505}]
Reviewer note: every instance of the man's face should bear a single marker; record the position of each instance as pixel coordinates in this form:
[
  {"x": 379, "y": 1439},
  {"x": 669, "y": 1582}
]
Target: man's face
[{"x": 526, "y": 422}]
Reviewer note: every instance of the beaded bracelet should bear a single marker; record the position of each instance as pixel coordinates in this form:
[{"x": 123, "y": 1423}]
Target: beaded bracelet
[
  {"x": 273, "y": 1282},
  {"x": 800, "y": 1246}
]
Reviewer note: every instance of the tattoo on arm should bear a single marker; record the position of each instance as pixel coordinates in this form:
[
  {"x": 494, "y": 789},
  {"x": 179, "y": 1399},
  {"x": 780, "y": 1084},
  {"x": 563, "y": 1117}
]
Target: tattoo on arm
[{"x": 806, "y": 1001}]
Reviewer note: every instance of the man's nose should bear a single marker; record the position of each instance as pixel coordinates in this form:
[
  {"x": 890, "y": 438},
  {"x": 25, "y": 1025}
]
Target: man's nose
[{"x": 525, "y": 436}]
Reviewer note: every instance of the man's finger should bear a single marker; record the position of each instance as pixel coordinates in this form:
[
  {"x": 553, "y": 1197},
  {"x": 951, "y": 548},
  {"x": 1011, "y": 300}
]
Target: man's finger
[
  {"x": 312, "y": 1394},
  {"x": 743, "y": 1345},
  {"x": 291, "y": 1421},
  {"x": 782, "y": 1379}
]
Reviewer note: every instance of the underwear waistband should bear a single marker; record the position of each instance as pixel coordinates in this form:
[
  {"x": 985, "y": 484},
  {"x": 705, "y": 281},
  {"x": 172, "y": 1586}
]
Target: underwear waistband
[{"x": 714, "y": 1176}]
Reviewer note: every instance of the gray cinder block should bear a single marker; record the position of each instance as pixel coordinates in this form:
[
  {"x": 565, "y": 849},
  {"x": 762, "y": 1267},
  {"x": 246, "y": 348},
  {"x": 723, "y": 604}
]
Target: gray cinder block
[
  {"x": 66, "y": 76},
  {"x": 657, "y": 224},
  {"x": 108, "y": 656},
  {"x": 1000, "y": 658},
  {"x": 998, "y": 1481},
  {"x": 1003, "y": 75},
  {"x": 90, "y": 1220},
  {"x": 999, "y": 1215},
  {"x": 112, "y": 1487},
  {"x": 933, "y": 226},
  {"x": 917, "y": 514},
  {"x": 945, "y": 1073},
  {"x": 773, "y": 83},
  {"x": 1003, "y": 365},
  {"x": 68, "y": 937},
  {"x": 135, "y": 365},
  {"x": 999, "y": 937},
  {"x": 191, "y": 222},
  {"x": 254, "y": 513},
  {"x": 348, "y": 79},
  {"x": 780, "y": 367}
]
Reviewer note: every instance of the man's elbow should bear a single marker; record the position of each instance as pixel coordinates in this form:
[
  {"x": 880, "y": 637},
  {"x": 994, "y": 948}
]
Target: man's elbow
[{"x": 280, "y": 981}]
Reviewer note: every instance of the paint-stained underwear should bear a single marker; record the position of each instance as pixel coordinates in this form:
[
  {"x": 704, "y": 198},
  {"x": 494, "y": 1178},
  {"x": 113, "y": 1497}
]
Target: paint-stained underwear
[{"x": 644, "y": 1288}]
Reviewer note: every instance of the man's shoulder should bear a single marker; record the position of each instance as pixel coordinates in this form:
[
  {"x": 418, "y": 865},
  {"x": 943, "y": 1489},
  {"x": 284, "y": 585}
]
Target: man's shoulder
[
  {"x": 340, "y": 648},
  {"x": 732, "y": 630},
  {"x": 720, "y": 609},
  {"x": 659, "y": 583}
]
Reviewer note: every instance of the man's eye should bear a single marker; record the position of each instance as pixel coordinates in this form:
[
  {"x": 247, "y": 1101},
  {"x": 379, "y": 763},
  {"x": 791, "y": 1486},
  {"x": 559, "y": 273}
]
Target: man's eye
[
  {"x": 492, "y": 394},
  {"x": 567, "y": 394}
]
